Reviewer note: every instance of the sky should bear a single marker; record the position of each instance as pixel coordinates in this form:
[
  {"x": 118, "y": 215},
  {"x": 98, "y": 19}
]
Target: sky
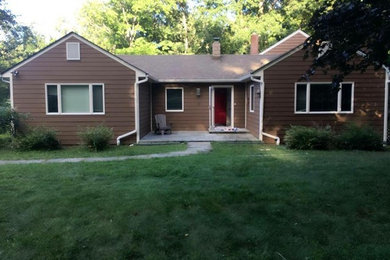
[{"x": 45, "y": 15}]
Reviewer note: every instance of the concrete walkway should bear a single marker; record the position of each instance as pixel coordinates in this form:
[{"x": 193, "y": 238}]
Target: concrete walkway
[{"x": 192, "y": 148}]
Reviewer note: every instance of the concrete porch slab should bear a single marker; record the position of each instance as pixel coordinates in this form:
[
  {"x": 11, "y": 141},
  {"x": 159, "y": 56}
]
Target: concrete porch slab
[{"x": 197, "y": 136}]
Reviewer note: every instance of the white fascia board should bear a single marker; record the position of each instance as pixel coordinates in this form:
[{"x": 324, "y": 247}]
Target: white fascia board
[
  {"x": 285, "y": 39},
  {"x": 275, "y": 61},
  {"x": 112, "y": 56}
]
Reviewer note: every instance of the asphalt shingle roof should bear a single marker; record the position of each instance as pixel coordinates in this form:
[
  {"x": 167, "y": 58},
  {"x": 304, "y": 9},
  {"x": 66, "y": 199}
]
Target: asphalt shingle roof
[{"x": 176, "y": 68}]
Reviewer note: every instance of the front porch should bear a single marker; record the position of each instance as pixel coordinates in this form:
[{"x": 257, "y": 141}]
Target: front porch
[{"x": 197, "y": 136}]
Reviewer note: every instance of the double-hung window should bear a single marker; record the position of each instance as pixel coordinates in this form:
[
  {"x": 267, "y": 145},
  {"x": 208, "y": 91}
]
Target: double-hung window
[
  {"x": 69, "y": 98},
  {"x": 323, "y": 98},
  {"x": 174, "y": 99}
]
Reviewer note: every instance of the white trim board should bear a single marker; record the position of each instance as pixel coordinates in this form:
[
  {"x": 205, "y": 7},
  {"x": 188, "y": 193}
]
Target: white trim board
[
  {"x": 212, "y": 104},
  {"x": 285, "y": 39},
  {"x": 64, "y": 39},
  {"x": 59, "y": 99},
  {"x": 339, "y": 98},
  {"x": 166, "y": 99}
]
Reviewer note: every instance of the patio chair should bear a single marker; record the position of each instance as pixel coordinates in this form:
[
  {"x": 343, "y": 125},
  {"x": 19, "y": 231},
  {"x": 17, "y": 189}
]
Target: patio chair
[{"x": 161, "y": 125}]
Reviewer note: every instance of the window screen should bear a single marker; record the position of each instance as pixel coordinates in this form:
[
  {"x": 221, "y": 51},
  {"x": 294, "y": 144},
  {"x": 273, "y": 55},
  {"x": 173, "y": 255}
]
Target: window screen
[
  {"x": 97, "y": 91},
  {"x": 75, "y": 98},
  {"x": 301, "y": 98},
  {"x": 346, "y": 97},
  {"x": 323, "y": 98},
  {"x": 52, "y": 99},
  {"x": 174, "y": 99}
]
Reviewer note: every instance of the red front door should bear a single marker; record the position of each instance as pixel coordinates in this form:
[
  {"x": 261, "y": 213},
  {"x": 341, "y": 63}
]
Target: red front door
[{"x": 220, "y": 95}]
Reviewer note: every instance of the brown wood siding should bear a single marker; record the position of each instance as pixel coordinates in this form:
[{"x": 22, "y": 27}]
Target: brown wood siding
[
  {"x": 253, "y": 117},
  {"x": 196, "y": 109},
  {"x": 94, "y": 67},
  {"x": 144, "y": 109},
  {"x": 280, "y": 93},
  {"x": 287, "y": 45}
]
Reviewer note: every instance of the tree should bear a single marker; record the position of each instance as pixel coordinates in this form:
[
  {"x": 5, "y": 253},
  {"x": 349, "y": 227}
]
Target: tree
[
  {"x": 350, "y": 35},
  {"x": 136, "y": 26},
  {"x": 16, "y": 43}
]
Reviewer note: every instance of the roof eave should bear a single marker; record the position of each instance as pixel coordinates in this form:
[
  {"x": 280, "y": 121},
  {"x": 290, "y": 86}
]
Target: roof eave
[{"x": 278, "y": 59}]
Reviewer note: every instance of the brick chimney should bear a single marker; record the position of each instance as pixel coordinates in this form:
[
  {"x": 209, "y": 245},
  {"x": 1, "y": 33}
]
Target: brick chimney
[
  {"x": 216, "y": 48},
  {"x": 254, "y": 44}
]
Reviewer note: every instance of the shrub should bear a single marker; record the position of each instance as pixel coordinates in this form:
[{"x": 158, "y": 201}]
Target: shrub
[
  {"x": 355, "y": 137},
  {"x": 39, "y": 138},
  {"x": 308, "y": 138},
  {"x": 11, "y": 121},
  {"x": 5, "y": 141},
  {"x": 97, "y": 138}
]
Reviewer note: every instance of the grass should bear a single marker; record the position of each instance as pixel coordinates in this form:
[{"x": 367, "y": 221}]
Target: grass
[
  {"x": 237, "y": 202},
  {"x": 80, "y": 151}
]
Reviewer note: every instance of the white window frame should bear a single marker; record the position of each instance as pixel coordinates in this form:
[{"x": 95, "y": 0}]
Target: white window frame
[
  {"x": 59, "y": 99},
  {"x": 166, "y": 100},
  {"x": 252, "y": 98},
  {"x": 68, "y": 44},
  {"x": 339, "y": 98}
]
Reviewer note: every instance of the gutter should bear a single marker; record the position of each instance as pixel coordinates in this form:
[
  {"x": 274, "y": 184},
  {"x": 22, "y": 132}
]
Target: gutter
[
  {"x": 136, "y": 108},
  {"x": 261, "y": 113}
]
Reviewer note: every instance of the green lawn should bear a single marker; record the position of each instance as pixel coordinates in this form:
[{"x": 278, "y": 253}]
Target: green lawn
[
  {"x": 237, "y": 202},
  {"x": 79, "y": 151}
]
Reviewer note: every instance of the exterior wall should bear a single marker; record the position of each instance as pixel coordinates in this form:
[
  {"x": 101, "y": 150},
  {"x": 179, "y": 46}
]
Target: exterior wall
[
  {"x": 94, "y": 67},
  {"x": 196, "y": 109},
  {"x": 253, "y": 117},
  {"x": 287, "y": 45},
  {"x": 280, "y": 93},
  {"x": 144, "y": 109}
]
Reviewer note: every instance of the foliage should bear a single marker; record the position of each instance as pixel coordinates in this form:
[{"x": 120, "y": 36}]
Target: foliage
[
  {"x": 308, "y": 138},
  {"x": 11, "y": 122},
  {"x": 357, "y": 32},
  {"x": 97, "y": 138},
  {"x": 188, "y": 27},
  {"x": 17, "y": 42},
  {"x": 39, "y": 138},
  {"x": 240, "y": 201},
  {"x": 355, "y": 137},
  {"x": 5, "y": 142}
]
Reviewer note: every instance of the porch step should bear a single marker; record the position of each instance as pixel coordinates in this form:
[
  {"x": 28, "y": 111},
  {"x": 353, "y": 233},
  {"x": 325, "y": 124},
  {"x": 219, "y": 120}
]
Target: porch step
[{"x": 228, "y": 130}]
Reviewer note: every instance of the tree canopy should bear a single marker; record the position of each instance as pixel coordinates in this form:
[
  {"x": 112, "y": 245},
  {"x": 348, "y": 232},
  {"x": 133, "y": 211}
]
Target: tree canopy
[
  {"x": 189, "y": 26},
  {"x": 350, "y": 35},
  {"x": 16, "y": 43}
]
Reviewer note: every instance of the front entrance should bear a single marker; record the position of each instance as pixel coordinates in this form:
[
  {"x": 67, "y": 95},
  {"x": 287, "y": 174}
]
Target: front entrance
[
  {"x": 220, "y": 108},
  {"x": 221, "y": 111}
]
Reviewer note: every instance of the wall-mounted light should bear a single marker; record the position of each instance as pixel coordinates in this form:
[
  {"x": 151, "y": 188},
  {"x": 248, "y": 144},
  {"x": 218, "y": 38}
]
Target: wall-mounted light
[
  {"x": 15, "y": 73},
  {"x": 258, "y": 93},
  {"x": 198, "y": 92}
]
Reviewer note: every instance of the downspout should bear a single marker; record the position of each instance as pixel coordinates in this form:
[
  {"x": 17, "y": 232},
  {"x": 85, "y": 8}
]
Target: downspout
[
  {"x": 136, "y": 109},
  {"x": 261, "y": 113},
  {"x": 386, "y": 107}
]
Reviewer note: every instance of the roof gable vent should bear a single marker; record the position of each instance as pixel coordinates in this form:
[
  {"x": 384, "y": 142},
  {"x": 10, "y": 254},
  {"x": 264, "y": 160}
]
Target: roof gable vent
[{"x": 73, "y": 51}]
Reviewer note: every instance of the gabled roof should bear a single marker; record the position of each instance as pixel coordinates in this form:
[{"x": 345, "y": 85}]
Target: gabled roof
[
  {"x": 63, "y": 39},
  {"x": 289, "y": 42},
  {"x": 198, "y": 68}
]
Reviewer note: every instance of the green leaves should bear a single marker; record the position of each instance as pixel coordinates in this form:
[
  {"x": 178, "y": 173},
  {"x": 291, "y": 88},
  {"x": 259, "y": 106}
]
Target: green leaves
[{"x": 188, "y": 27}]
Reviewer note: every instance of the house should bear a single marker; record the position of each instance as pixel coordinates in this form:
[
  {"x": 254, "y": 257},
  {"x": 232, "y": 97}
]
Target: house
[{"x": 72, "y": 84}]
